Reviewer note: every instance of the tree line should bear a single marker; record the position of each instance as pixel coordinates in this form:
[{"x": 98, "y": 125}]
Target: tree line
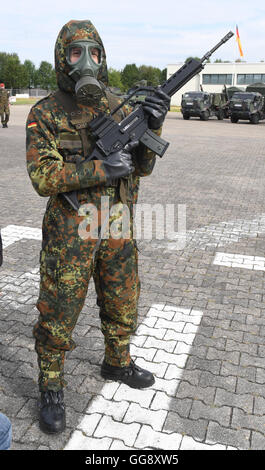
[
  {"x": 15, "y": 74},
  {"x": 131, "y": 74}
]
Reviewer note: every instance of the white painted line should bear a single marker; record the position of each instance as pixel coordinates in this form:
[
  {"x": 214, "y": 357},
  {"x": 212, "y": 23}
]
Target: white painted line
[
  {"x": 120, "y": 417},
  {"x": 13, "y": 233},
  {"x": 122, "y": 414},
  {"x": 231, "y": 260},
  {"x": 217, "y": 235},
  {"x": 15, "y": 295}
]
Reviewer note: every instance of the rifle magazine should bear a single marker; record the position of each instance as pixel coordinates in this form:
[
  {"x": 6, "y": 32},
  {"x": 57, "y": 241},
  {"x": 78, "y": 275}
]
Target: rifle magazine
[{"x": 154, "y": 142}]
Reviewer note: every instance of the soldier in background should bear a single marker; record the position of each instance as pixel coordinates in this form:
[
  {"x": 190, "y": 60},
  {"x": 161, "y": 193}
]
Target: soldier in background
[{"x": 4, "y": 105}]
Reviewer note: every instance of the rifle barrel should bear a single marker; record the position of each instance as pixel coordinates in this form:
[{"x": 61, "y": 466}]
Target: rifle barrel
[
  {"x": 185, "y": 73},
  {"x": 190, "y": 69},
  {"x": 223, "y": 40}
]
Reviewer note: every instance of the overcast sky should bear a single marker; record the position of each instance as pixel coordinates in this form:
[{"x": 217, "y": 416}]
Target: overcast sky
[{"x": 150, "y": 32}]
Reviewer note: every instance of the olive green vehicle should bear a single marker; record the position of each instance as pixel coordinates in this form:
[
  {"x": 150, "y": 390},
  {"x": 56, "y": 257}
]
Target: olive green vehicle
[
  {"x": 248, "y": 105},
  {"x": 204, "y": 105},
  {"x": 231, "y": 90},
  {"x": 139, "y": 91},
  {"x": 117, "y": 91}
]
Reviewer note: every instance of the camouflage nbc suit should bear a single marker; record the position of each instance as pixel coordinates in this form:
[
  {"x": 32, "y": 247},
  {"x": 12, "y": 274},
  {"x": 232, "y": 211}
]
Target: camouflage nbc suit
[
  {"x": 54, "y": 153},
  {"x": 4, "y": 106}
]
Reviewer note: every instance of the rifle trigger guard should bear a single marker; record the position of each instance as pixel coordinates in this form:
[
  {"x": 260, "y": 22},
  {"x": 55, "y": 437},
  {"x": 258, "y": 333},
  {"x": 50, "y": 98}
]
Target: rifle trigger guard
[{"x": 154, "y": 142}]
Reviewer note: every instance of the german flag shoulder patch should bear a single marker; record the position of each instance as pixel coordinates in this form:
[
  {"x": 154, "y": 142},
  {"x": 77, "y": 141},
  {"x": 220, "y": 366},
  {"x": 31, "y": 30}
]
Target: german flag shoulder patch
[{"x": 32, "y": 124}]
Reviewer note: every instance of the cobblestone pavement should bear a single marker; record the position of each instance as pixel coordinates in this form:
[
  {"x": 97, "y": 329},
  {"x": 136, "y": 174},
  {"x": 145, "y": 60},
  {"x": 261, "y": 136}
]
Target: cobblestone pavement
[{"x": 201, "y": 312}]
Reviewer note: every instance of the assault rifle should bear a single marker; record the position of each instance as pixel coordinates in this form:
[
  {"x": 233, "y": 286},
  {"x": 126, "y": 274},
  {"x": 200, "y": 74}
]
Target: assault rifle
[{"x": 111, "y": 136}]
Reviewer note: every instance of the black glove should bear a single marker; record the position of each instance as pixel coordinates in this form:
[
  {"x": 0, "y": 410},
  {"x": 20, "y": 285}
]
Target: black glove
[
  {"x": 119, "y": 164},
  {"x": 156, "y": 107}
]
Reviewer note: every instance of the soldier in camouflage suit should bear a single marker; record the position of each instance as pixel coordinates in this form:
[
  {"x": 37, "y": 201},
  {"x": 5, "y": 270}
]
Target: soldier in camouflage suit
[
  {"x": 4, "y": 105},
  {"x": 56, "y": 164}
]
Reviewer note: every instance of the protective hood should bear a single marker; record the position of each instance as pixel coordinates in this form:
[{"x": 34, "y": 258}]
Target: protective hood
[{"x": 75, "y": 30}]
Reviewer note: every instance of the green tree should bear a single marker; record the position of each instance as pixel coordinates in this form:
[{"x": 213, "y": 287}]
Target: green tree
[
  {"x": 31, "y": 73},
  {"x": 46, "y": 76},
  {"x": 22, "y": 77},
  {"x": 115, "y": 79},
  {"x": 220, "y": 61},
  {"x": 3, "y": 60},
  {"x": 11, "y": 71},
  {"x": 163, "y": 76},
  {"x": 151, "y": 74},
  {"x": 129, "y": 75}
]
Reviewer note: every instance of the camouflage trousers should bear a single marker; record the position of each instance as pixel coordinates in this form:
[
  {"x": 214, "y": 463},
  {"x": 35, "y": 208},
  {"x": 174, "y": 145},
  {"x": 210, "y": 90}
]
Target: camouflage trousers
[
  {"x": 4, "y": 116},
  {"x": 63, "y": 288}
]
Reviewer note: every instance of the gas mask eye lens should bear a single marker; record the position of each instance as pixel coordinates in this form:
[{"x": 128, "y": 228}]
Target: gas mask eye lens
[
  {"x": 95, "y": 54},
  {"x": 75, "y": 54}
]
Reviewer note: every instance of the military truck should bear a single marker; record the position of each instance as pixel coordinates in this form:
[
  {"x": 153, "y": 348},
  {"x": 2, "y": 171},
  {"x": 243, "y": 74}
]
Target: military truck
[
  {"x": 117, "y": 91},
  {"x": 248, "y": 105},
  {"x": 220, "y": 105},
  {"x": 138, "y": 95},
  {"x": 203, "y": 105},
  {"x": 231, "y": 90}
]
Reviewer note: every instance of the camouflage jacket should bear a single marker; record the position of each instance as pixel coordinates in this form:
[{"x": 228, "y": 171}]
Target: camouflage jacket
[
  {"x": 55, "y": 160},
  {"x": 4, "y": 100},
  {"x": 53, "y": 148}
]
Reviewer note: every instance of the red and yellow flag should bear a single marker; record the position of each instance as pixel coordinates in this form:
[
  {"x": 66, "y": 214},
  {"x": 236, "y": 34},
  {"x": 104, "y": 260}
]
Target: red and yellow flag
[
  {"x": 32, "y": 124},
  {"x": 239, "y": 42}
]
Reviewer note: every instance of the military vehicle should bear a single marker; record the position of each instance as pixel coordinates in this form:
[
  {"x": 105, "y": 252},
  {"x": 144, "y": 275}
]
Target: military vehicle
[
  {"x": 220, "y": 105},
  {"x": 139, "y": 92},
  {"x": 203, "y": 105},
  {"x": 258, "y": 87},
  {"x": 231, "y": 90},
  {"x": 248, "y": 105},
  {"x": 117, "y": 91}
]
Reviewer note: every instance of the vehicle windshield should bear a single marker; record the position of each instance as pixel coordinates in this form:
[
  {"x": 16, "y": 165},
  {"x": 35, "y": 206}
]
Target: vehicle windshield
[
  {"x": 193, "y": 95},
  {"x": 242, "y": 96}
]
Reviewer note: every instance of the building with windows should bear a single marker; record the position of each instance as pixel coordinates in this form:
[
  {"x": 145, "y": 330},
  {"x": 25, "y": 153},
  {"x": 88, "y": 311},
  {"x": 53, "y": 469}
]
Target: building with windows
[{"x": 215, "y": 75}]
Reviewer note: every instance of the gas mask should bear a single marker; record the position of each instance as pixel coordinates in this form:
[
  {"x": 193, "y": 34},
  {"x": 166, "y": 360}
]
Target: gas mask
[{"x": 85, "y": 59}]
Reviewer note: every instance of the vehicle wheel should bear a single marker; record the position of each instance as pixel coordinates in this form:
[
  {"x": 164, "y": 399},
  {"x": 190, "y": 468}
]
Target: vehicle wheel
[
  {"x": 234, "y": 119},
  {"x": 254, "y": 118},
  {"x": 205, "y": 115},
  {"x": 186, "y": 116},
  {"x": 220, "y": 115}
]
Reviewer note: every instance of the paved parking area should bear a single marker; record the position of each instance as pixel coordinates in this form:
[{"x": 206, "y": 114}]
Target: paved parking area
[{"x": 201, "y": 311}]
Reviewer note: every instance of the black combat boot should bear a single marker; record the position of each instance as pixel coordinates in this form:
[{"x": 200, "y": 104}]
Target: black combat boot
[
  {"x": 52, "y": 412},
  {"x": 131, "y": 375}
]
